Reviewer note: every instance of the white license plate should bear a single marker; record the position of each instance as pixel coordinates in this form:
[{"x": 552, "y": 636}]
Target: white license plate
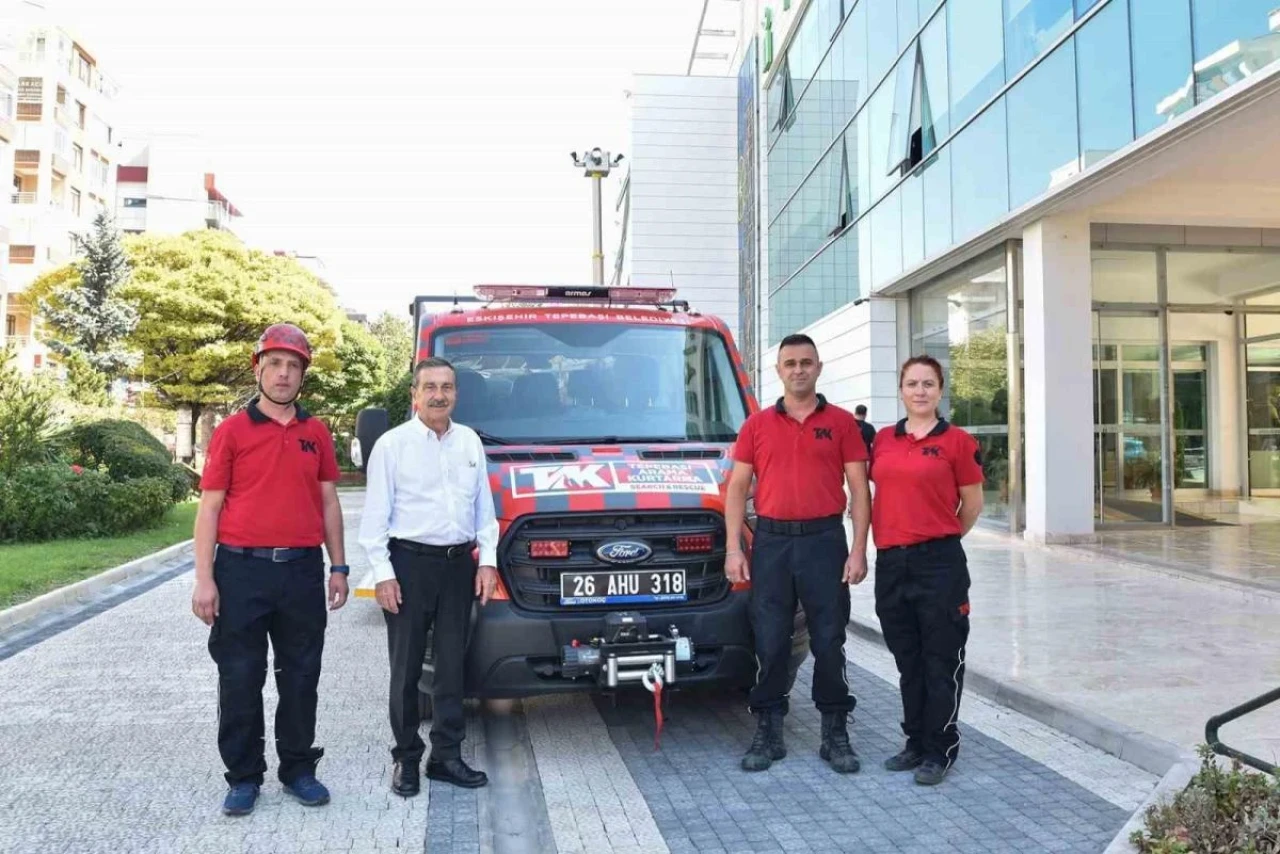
[{"x": 628, "y": 587}]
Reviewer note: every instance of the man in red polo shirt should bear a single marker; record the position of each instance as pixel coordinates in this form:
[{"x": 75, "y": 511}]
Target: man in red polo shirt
[
  {"x": 268, "y": 500},
  {"x": 802, "y": 451}
]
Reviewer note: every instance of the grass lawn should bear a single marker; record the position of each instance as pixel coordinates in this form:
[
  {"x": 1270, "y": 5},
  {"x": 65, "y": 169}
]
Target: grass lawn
[{"x": 29, "y": 569}]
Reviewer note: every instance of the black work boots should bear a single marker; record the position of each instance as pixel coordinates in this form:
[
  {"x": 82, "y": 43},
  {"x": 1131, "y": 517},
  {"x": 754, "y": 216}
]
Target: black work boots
[
  {"x": 767, "y": 746},
  {"x": 836, "y": 749}
]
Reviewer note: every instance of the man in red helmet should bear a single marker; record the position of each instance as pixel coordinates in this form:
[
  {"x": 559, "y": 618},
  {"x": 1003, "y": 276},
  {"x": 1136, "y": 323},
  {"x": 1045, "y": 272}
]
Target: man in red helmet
[{"x": 268, "y": 500}]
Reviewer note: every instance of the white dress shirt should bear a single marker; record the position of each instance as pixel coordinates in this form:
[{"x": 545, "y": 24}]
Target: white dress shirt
[{"x": 429, "y": 489}]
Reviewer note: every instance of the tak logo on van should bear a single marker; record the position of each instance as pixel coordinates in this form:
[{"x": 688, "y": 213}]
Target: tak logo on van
[{"x": 535, "y": 480}]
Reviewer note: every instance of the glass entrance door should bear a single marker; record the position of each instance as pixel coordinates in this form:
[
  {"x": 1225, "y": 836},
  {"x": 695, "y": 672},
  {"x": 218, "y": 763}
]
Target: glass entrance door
[
  {"x": 1262, "y": 404},
  {"x": 1129, "y": 399}
]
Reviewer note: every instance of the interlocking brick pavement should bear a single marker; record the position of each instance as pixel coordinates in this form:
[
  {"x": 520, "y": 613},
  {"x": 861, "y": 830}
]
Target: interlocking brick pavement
[
  {"x": 108, "y": 740},
  {"x": 996, "y": 799}
]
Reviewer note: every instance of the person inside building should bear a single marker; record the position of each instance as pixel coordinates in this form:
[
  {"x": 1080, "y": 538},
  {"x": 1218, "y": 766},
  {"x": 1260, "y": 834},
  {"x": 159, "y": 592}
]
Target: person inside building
[
  {"x": 802, "y": 452},
  {"x": 268, "y": 500},
  {"x": 428, "y": 507},
  {"x": 928, "y": 494},
  {"x": 867, "y": 428}
]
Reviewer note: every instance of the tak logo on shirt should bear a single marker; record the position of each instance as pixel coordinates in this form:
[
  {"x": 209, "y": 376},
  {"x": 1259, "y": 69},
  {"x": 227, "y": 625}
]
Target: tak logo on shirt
[
  {"x": 308, "y": 446},
  {"x": 931, "y": 451},
  {"x": 822, "y": 433}
]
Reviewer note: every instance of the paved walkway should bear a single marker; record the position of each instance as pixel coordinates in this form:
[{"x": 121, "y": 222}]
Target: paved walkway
[
  {"x": 1160, "y": 651},
  {"x": 107, "y": 744}
]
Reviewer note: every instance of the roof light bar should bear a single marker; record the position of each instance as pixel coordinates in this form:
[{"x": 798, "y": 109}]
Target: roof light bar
[{"x": 585, "y": 293}]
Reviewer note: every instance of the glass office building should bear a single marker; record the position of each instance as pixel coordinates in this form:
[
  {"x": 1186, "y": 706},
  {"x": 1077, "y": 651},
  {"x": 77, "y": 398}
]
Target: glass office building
[{"x": 974, "y": 162}]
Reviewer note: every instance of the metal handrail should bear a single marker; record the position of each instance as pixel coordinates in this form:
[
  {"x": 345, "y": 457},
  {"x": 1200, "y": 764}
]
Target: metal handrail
[{"x": 1214, "y": 723}]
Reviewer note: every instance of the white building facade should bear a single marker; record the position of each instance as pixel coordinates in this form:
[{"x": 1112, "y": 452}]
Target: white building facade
[
  {"x": 62, "y": 150},
  {"x": 167, "y": 188},
  {"x": 1072, "y": 204}
]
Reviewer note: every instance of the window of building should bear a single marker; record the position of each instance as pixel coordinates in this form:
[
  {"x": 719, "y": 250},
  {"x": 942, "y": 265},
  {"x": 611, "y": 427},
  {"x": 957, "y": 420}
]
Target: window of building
[
  {"x": 846, "y": 204},
  {"x": 22, "y": 254},
  {"x": 886, "y": 233},
  {"x": 1162, "y": 84},
  {"x": 962, "y": 321},
  {"x": 75, "y": 202},
  {"x": 10, "y": 326},
  {"x": 882, "y": 28},
  {"x": 975, "y": 50},
  {"x": 1104, "y": 83},
  {"x": 936, "y": 179},
  {"x": 1043, "y": 137},
  {"x": 80, "y": 115},
  {"x": 1233, "y": 39},
  {"x": 980, "y": 173},
  {"x": 1030, "y": 27}
]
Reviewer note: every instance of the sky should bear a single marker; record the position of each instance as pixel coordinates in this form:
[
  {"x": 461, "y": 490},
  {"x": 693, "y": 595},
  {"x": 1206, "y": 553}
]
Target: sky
[{"x": 413, "y": 151}]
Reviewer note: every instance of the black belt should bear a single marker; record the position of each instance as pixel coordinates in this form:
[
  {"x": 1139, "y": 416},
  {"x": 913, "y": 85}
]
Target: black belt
[
  {"x": 275, "y": 555},
  {"x": 798, "y": 527},
  {"x": 447, "y": 552}
]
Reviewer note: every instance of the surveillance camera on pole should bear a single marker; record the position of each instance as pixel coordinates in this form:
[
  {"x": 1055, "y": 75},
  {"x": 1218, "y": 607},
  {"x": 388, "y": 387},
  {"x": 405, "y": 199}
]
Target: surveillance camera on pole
[{"x": 596, "y": 165}]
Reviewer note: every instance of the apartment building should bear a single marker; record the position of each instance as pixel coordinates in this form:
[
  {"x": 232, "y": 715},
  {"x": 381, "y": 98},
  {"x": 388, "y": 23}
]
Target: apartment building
[
  {"x": 8, "y": 134},
  {"x": 63, "y": 148},
  {"x": 166, "y": 188}
]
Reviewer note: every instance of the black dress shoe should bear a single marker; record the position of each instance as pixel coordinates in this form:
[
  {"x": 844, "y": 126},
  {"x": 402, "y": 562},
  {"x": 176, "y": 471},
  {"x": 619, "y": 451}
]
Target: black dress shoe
[
  {"x": 404, "y": 779},
  {"x": 455, "y": 771}
]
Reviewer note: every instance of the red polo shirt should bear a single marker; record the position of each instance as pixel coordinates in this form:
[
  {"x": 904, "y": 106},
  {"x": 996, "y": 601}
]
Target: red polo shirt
[
  {"x": 918, "y": 483},
  {"x": 799, "y": 467},
  {"x": 271, "y": 473}
]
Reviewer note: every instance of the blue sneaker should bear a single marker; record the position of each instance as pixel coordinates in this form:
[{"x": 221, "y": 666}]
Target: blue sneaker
[
  {"x": 309, "y": 791},
  {"x": 240, "y": 799}
]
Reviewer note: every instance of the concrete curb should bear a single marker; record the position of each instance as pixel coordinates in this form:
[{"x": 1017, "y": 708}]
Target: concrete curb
[
  {"x": 1173, "y": 782},
  {"x": 1151, "y": 754},
  {"x": 82, "y": 591}
]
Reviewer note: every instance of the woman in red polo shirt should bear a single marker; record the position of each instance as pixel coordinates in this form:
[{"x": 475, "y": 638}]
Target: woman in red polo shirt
[{"x": 928, "y": 494}]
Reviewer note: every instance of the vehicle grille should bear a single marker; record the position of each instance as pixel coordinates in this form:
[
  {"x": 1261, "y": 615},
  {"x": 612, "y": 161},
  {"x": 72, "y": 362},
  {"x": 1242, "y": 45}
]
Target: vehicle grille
[{"x": 535, "y": 583}]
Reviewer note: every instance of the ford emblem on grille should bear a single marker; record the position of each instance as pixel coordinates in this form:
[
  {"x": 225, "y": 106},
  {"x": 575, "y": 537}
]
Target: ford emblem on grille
[{"x": 624, "y": 551}]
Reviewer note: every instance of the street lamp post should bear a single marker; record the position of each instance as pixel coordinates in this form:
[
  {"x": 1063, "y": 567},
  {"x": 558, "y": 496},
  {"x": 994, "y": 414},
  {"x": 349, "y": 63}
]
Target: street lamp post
[{"x": 596, "y": 165}]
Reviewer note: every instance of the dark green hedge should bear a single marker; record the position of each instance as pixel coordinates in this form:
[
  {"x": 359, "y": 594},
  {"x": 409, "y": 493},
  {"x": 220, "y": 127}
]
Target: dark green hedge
[
  {"x": 125, "y": 451},
  {"x": 57, "y": 501}
]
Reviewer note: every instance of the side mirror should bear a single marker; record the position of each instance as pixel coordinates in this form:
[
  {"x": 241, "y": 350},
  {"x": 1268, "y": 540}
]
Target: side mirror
[{"x": 370, "y": 425}]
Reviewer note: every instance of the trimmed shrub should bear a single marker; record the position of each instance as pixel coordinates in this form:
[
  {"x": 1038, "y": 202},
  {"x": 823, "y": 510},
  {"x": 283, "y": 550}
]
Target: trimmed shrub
[
  {"x": 122, "y": 449},
  {"x": 55, "y": 501}
]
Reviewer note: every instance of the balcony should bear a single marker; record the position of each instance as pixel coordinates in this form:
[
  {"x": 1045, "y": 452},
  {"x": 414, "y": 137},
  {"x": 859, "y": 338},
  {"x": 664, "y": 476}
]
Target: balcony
[
  {"x": 18, "y": 342},
  {"x": 218, "y": 216},
  {"x": 23, "y": 198}
]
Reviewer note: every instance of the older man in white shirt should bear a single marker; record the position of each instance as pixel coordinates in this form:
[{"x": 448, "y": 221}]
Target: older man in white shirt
[{"x": 427, "y": 507}]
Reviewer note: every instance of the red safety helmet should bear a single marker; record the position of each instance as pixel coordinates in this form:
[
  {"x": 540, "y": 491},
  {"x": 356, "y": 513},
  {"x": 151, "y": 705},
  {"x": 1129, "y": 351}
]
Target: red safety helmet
[{"x": 284, "y": 336}]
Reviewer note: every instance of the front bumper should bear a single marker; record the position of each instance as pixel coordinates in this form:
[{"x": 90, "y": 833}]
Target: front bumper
[{"x": 518, "y": 654}]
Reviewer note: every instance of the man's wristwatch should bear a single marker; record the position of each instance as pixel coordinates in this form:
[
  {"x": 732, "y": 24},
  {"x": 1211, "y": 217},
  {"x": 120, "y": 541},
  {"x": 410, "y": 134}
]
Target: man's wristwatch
[{"x": 340, "y": 567}]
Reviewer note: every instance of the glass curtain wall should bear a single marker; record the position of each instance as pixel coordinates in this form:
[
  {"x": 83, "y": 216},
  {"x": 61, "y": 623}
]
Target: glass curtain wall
[
  {"x": 897, "y": 128},
  {"x": 962, "y": 321}
]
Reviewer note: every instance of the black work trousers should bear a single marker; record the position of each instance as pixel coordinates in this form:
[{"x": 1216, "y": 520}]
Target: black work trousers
[
  {"x": 809, "y": 567},
  {"x": 437, "y": 592},
  {"x": 922, "y": 600},
  {"x": 285, "y": 603}
]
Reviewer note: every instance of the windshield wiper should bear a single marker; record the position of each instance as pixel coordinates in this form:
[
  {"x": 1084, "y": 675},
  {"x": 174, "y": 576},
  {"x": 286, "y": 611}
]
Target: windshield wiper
[{"x": 490, "y": 439}]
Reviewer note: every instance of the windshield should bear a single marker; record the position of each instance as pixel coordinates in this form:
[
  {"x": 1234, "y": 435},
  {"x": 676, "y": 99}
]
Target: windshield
[{"x": 594, "y": 382}]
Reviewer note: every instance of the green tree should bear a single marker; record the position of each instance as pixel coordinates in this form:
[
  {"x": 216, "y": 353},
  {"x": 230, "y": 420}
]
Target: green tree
[
  {"x": 28, "y": 417},
  {"x": 86, "y": 312},
  {"x": 396, "y": 335},
  {"x": 202, "y": 299},
  {"x": 358, "y": 378}
]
